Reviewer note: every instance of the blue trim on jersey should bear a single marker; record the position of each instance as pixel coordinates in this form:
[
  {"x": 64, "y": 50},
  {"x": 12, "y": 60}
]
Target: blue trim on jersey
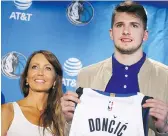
[
  {"x": 116, "y": 94},
  {"x": 145, "y": 115}
]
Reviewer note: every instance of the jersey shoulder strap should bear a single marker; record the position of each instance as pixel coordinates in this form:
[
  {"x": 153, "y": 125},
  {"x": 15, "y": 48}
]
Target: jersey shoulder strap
[
  {"x": 145, "y": 115},
  {"x": 79, "y": 91}
]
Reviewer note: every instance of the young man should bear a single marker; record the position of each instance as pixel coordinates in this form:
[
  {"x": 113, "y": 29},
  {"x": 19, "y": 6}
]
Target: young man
[{"x": 128, "y": 70}]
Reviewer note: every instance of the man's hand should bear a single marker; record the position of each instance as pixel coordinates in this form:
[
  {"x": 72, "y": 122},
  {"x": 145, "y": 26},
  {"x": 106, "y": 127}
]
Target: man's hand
[
  {"x": 68, "y": 102},
  {"x": 159, "y": 110}
]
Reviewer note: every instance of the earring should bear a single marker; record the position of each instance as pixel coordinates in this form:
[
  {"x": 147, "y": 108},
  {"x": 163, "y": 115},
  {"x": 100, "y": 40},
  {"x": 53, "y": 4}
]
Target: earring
[
  {"x": 53, "y": 86},
  {"x": 27, "y": 83}
]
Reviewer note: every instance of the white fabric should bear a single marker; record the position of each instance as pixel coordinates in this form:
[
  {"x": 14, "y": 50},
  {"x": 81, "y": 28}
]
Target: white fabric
[
  {"x": 20, "y": 126},
  {"x": 97, "y": 109}
]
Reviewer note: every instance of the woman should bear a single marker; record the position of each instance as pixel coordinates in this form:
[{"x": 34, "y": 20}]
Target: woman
[{"x": 39, "y": 113}]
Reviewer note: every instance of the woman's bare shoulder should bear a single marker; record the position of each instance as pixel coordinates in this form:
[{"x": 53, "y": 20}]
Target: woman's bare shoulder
[{"x": 7, "y": 108}]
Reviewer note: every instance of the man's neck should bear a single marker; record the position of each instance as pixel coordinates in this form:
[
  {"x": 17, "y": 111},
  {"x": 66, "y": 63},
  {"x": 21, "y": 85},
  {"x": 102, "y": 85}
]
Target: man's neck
[{"x": 128, "y": 59}]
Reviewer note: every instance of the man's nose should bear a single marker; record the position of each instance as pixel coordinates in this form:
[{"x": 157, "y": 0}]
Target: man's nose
[{"x": 126, "y": 30}]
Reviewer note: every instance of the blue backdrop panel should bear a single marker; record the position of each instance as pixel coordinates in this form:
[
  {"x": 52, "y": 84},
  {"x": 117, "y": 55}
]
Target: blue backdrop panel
[{"x": 77, "y": 37}]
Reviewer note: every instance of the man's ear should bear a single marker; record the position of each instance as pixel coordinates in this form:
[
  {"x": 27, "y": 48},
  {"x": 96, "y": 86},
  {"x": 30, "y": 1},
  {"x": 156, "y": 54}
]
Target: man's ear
[
  {"x": 111, "y": 34},
  {"x": 145, "y": 37}
]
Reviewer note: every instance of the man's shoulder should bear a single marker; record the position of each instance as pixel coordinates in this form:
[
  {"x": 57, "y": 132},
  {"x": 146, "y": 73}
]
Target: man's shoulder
[
  {"x": 90, "y": 76},
  {"x": 158, "y": 65},
  {"x": 93, "y": 68}
]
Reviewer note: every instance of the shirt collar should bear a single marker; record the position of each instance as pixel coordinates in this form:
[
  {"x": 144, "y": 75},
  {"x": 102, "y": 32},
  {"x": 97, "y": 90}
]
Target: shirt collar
[{"x": 135, "y": 67}]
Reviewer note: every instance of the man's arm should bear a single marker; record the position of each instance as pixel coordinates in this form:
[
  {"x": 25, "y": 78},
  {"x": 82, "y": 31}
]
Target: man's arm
[{"x": 68, "y": 106}]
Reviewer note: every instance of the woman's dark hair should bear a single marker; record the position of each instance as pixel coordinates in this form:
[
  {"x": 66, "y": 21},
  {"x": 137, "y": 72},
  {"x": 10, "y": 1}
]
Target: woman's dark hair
[{"x": 51, "y": 118}]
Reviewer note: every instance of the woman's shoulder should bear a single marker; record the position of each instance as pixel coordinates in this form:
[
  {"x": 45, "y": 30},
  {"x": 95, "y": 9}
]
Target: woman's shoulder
[
  {"x": 7, "y": 108},
  {"x": 7, "y": 114}
]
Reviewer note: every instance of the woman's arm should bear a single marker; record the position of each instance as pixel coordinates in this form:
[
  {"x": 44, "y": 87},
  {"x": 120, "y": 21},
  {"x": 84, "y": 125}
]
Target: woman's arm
[{"x": 7, "y": 115}]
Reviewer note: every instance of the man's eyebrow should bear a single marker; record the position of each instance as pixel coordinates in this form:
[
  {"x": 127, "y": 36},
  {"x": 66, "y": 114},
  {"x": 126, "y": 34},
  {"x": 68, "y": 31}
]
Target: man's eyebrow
[
  {"x": 119, "y": 23},
  {"x": 130, "y": 23},
  {"x": 136, "y": 23}
]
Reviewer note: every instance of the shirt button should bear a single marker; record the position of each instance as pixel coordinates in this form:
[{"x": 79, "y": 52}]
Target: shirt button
[
  {"x": 126, "y": 68},
  {"x": 125, "y": 86},
  {"x": 126, "y": 75}
]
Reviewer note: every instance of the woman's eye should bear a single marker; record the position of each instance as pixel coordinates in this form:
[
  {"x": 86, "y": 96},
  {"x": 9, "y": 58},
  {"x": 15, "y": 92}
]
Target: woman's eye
[
  {"x": 48, "y": 68},
  {"x": 34, "y": 67}
]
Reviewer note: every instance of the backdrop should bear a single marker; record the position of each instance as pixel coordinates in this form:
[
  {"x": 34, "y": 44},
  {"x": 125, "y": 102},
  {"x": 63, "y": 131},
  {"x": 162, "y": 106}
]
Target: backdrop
[{"x": 76, "y": 32}]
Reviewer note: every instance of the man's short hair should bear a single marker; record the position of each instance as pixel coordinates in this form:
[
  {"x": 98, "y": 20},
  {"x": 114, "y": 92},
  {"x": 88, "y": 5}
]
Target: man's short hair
[{"x": 131, "y": 8}]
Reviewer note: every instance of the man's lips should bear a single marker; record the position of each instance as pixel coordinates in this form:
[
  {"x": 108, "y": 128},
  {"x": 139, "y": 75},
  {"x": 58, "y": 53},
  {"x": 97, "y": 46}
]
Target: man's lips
[{"x": 126, "y": 40}]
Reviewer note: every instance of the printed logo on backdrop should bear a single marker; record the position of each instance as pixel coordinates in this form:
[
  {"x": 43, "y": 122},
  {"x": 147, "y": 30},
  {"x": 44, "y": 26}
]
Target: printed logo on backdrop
[
  {"x": 71, "y": 67},
  {"x": 80, "y": 12},
  {"x": 21, "y": 5},
  {"x": 12, "y": 64}
]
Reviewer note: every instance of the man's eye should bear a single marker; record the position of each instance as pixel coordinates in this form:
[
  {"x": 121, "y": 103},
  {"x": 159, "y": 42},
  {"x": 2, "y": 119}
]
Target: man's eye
[
  {"x": 135, "y": 26},
  {"x": 119, "y": 25}
]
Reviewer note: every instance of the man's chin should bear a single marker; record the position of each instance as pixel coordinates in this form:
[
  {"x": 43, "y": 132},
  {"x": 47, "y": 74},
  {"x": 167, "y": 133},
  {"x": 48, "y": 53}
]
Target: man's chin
[{"x": 127, "y": 51}]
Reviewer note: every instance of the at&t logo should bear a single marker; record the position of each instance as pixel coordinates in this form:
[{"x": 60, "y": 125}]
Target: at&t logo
[
  {"x": 71, "y": 67},
  {"x": 21, "y": 5}
]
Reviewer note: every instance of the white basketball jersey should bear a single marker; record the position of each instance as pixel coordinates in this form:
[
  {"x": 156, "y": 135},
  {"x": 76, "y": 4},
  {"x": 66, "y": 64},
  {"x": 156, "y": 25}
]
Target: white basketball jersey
[{"x": 101, "y": 115}]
